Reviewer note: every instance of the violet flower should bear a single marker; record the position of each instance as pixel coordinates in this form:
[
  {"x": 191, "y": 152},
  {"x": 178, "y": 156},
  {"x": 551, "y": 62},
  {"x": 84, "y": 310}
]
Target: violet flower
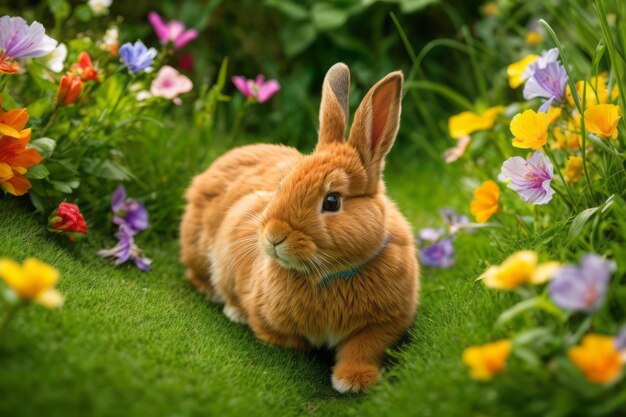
[
  {"x": 582, "y": 288},
  {"x": 19, "y": 40},
  {"x": 547, "y": 82},
  {"x": 126, "y": 250},
  {"x": 129, "y": 212},
  {"x": 257, "y": 89},
  {"x": 172, "y": 31},
  {"x": 137, "y": 57},
  {"x": 531, "y": 178},
  {"x": 439, "y": 254}
]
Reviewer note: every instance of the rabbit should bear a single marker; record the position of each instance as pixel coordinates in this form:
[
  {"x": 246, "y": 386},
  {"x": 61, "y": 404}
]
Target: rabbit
[{"x": 308, "y": 250}]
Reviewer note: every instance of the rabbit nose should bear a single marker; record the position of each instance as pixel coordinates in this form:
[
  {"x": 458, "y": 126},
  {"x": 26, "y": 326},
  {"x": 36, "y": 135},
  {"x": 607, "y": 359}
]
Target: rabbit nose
[{"x": 275, "y": 240}]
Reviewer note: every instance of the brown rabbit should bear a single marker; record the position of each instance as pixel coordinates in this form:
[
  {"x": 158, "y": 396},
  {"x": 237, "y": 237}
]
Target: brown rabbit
[{"x": 308, "y": 250}]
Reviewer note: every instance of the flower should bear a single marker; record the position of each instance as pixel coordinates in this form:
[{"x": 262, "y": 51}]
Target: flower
[
  {"x": 454, "y": 220},
  {"x": 569, "y": 137},
  {"x": 597, "y": 358},
  {"x": 169, "y": 83},
  {"x": 18, "y": 40},
  {"x": 186, "y": 62},
  {"x": 137, "y": 56},
  {"x": 32, "y": 281},
  {"x": 485, "y": 203},
  {"x": 530, "y": 129},
  {"x": 128, "y": 211},
  {"x": 620, "y": 340},
  {"x": 100, "y": 7},
  {"x": 517, "y": 71},
  {"x": 547, "y": 82},
  {"x": 15, "y": 157},
  {"x": 530, "y": 179},
  {"x": 110, "y": 41},
  {"x": 602, "y": 119},
  {"x": 533, "y": 37},
  {"x": 518, "y": 269},
  {"x": 70, "y": 87},
  {"x": 573, "y": 169},
  {"x": 491, "y": 9},
  {"x": 258, "y": 89},
  {"x": 452, "y": 154},
  {"x": 85, "y": 68},
  {"x": 468, "y": 122},
  {"x": 68, "y": 220},
  {"x": 439, "y": 254},
  {"x": 488, "y": 360},
  {"x": 172, "y": 31},
  {"x": 56, "y": 59},
  {"x": 595, "y": 91},
  {"x": 126, "y": 249},
  {"x": 582, "y": 288}
]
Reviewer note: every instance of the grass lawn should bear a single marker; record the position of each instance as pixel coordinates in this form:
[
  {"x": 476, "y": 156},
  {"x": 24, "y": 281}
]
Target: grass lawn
[{"x": 137, "y": 344}]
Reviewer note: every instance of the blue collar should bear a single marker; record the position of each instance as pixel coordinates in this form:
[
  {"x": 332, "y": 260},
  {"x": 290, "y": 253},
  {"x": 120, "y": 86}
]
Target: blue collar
[{"x": 352, "y": 272}]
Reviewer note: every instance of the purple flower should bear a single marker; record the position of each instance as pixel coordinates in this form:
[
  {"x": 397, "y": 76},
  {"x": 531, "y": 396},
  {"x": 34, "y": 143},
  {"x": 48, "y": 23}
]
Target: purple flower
[
  {"x": 137, "y": 57},
  {"x": 454, "y": 220},
  {"x": 429, "y": 234},
  {"x": 18, "y": 40},
  {"x": 531, "y": 179},
  {"x": 128, "y": 211},
  {"x": 258, "y": 89},
  {"x": 581, "y": 288},
  {"x": 547, "y": 57},
  {"x": 547, "y": 82},
  {"x": 126, "y": 249},
  {"x": 172, "y": 31},
  {"x": 439, "y": 254}
]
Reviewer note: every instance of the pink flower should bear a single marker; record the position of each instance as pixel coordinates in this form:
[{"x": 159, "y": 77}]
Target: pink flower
[
  {"x": 172, "y": 31},
  {"x": 169, "y": 83},
  {"x": 258, "y": 89},
  {"x": 452, "y": 154}
]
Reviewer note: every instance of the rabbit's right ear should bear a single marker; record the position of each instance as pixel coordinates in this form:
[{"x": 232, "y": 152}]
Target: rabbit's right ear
[{"x": 334, "y": 110}]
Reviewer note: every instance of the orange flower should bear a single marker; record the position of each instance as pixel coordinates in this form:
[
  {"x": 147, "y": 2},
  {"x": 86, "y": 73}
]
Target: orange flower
[
  {"x": 597, "y": 358},
  {"x": 485, "y": 203},
  {"x": 534, "y": 38},
  {"x": 602, "y": 119},
  {"x": 85, "y": 68},
  {"x": 70, "y": 87},
  {"x": 15, "y": 157},
  {"x": 8, "y": 65},
  {"x": 486, "y": 361}
]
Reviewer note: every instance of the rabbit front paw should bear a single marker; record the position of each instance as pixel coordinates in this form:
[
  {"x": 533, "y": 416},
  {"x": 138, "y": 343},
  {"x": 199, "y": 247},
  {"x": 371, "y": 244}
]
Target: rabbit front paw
[{"x": 354, "y": 377}]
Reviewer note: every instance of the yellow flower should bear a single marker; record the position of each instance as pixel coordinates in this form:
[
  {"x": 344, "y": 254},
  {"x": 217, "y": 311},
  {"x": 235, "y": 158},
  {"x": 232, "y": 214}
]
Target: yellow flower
[
  {"x": 533, "y": 37},
  {"x": 596, "y": 91},
  {"x": 519, "y": 268},
  {"x": 554, "y": 113},
  {"x": 530, "y": 129},
  {"x": 487, "y": 360},
  {"x": 468, "y": 122},
  {"x": 32, "y": 281},
  {"x": 570, "y": 137},
  {"x": 491, "y": 8},
  {"x": 573, "y": 169},
  {"x": 485, "y": 203},
  {"x": 602, "y": 119},
  {"x": 515, "y": 71},
  {"x": 597, "y": 358}
]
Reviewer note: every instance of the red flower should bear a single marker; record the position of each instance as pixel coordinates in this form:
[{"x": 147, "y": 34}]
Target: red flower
[
  {"x": 70, "y": 87},
  {"x": 85, "y": 68},
  {"x": 67, "y": 219}
]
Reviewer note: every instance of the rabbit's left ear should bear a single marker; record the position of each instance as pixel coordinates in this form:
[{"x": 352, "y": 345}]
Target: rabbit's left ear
[
  {"x": 376, "y": 124},
  {"x": 334, "y": 109}
]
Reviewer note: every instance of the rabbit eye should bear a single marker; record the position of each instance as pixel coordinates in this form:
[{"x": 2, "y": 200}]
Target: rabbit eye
[{"x": 331, "y": 202}]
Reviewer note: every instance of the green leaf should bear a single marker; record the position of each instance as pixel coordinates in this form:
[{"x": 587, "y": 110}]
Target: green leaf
[
  {"x": 45, "y": 146},
  {"x": 39, "y": 108},
  {"x": 327, "y": 17},
  {"x": 106, "y": 169},
  {"x": 579, "y": 222},
  {"x": 37, "y": 202},
  {"x": 292, "y": 10},
  {"x": 65, "y": 186},
  {"x": 296, "y": 38},
  {"x": 37, "y": 172},
  {"x": 517, "y": 309},
  {"x": 60, "y": 9},
  {"x": 412, "y": 6},
  {"x": 83, "y": 13}
]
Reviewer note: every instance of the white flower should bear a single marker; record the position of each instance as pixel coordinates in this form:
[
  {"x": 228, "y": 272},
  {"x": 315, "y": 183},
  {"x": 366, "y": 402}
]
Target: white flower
[
  {"x": 19, "y": 40},
  {"x": 56, "y": 59},
  {"x": 100, "y": 7}
]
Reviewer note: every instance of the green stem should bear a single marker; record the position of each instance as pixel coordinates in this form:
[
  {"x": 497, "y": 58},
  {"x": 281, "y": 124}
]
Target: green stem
[
  {"x": 558, "y": 170},
  {"x": 238, "y": 119}
]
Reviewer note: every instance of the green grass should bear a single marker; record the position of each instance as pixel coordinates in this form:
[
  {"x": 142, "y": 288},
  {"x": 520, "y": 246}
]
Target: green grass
[{"x": 140, "y": 344}]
